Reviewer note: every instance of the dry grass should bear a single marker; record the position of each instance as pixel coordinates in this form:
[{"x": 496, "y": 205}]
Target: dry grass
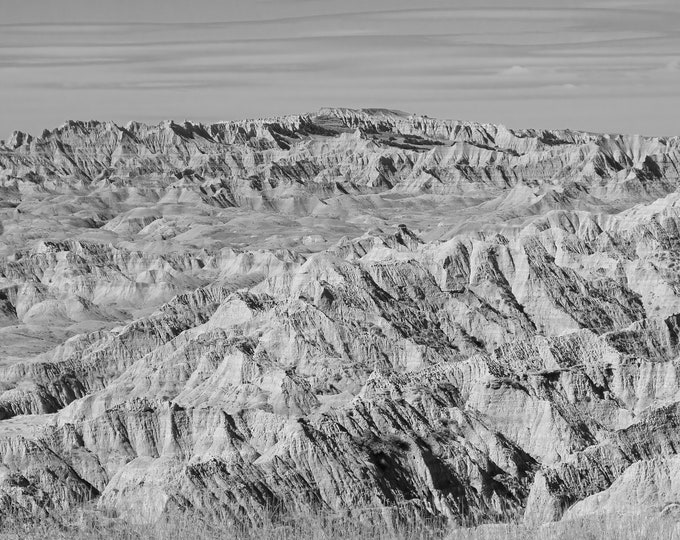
[
  {"x": 83, "y": 525},
  {"x": 598, "y": 527},
  {"x": 366, "y": 524}
]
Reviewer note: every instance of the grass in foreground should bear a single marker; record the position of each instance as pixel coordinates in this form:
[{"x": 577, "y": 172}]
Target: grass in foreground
[
  {"x": 83, "y": 525},
  {"x": 646, "y": 526}
]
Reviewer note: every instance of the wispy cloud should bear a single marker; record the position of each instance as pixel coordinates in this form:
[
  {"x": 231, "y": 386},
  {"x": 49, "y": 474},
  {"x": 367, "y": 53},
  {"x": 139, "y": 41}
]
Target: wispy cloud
[{"x": 263, "y": 57}]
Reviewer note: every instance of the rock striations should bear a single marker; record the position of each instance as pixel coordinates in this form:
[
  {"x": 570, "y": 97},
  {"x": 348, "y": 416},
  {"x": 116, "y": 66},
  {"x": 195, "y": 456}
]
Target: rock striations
[{"x": 338, "y": 310}]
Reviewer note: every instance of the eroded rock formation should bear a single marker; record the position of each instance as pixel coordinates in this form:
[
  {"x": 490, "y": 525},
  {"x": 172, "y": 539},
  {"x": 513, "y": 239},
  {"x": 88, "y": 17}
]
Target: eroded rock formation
[{"x": 337, "y": 310}]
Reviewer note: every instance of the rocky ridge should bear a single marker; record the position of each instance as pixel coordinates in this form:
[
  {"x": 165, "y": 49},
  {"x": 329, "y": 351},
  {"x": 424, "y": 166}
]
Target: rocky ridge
[{"x": 337, "y": 310}]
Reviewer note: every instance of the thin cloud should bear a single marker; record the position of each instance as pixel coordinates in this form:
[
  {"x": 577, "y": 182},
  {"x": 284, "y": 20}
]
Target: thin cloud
[
  {"x": 515, "y": 71},
  {"x": 294, "y": 54},
  {"x": 673, "y": 66}
]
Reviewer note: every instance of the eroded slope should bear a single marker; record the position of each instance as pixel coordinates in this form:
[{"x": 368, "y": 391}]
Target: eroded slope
[{"x": 334, "y": 310}]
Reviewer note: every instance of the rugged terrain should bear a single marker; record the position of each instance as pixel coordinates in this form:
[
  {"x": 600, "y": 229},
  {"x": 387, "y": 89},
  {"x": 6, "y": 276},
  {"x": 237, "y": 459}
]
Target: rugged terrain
[{"x": 346, "y": 309}]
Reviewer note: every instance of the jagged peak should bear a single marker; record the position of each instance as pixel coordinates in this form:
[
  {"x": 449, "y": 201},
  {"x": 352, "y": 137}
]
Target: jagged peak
[
  {"x": 372, "y": 112},
  {"x": 398, "y": 120},
  {"x": 16, "y": 139}
]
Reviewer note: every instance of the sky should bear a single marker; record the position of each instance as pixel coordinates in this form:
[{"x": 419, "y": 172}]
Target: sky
[{"x": 605, "y": 66}]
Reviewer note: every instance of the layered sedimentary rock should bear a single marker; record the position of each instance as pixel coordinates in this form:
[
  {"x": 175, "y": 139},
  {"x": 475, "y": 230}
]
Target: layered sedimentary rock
[{"x": 339, "y": 310}]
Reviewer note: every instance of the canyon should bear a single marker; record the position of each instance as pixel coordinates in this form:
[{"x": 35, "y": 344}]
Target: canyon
[{"x": 336, "y": 310}]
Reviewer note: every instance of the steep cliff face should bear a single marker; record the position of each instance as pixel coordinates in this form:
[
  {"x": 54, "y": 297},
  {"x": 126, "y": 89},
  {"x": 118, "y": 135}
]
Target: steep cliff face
[{"x": 339, "y": 309}]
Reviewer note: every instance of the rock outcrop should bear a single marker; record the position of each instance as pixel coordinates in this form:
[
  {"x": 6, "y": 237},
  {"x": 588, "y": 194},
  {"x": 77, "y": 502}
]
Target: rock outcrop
[{"x": 338, "y": 310}]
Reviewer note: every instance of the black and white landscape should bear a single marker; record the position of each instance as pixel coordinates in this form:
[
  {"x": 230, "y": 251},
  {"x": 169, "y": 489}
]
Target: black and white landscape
[
  {"x": 356, "y": 322},
  {"x": 337, "y": 310}
]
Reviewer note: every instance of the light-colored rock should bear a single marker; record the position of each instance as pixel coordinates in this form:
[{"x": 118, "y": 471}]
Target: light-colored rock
[{"x": 335, "y": 310}]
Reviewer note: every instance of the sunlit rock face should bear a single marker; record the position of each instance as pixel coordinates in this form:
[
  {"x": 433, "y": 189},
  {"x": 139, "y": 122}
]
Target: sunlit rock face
[{"x": 339, "y": 309}]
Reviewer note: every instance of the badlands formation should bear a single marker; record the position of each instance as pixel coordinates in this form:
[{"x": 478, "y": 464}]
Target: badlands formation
[{"x": 339, "y": 310}]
